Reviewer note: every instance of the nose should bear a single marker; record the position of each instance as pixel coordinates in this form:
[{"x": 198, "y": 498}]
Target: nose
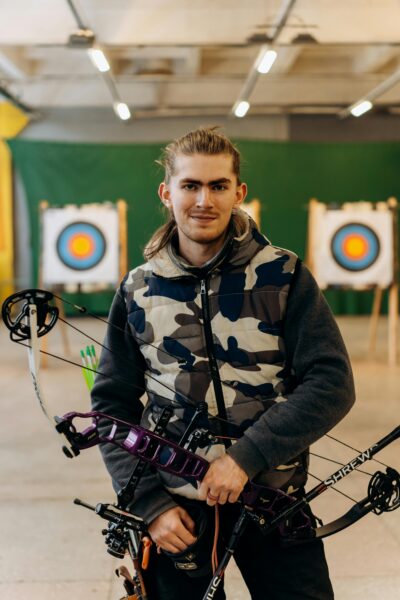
[{"x": 204, "y": 197}]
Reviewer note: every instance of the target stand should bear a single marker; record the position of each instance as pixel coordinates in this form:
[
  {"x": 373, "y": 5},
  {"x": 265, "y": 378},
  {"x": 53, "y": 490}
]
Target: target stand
[
  {"x": 354, "y": 246},
  {"x": 83, "y": 248},
  {"x": 253, "y": 209}
]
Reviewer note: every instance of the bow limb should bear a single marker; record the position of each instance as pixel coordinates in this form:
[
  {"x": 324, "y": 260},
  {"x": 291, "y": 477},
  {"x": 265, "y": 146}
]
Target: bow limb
[
  {"x": 34, "y": 367},
  {"x": 383, "y": 496},
  {"x": 34, "y": 360}
]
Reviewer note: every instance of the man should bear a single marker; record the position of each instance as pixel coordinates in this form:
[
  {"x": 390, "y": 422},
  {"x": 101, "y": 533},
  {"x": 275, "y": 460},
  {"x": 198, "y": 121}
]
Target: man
[{"x": 219, "y": 318}]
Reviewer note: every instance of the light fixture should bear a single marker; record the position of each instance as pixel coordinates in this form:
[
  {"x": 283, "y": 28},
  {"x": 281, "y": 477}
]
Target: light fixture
[
  {"x": 365, "y": 104},
  {"x": 241, "y": 108},
  {"x": 266, "y": 61},
  {"x": 98, "y": 59},
  {"x": 360, "y": 108},
  {"x": 122, "y": 110},
  {"x": 85, "y": 38}
]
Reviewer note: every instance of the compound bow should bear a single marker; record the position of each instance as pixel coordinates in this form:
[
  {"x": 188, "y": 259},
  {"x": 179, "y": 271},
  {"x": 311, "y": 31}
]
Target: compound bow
[{"x": 269, "y": 507}]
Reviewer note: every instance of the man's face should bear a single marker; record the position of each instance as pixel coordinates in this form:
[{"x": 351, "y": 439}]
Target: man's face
[{"x": 201, "y": 194}]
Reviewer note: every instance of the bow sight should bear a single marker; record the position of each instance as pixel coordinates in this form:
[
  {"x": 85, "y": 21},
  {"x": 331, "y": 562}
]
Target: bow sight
[{"x": 121, "y": 524}]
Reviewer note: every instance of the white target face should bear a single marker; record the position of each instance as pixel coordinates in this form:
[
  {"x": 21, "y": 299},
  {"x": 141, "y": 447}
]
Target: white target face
[
  {"x": 354, "y": 248},
  {"x": 80, "y": 245}
]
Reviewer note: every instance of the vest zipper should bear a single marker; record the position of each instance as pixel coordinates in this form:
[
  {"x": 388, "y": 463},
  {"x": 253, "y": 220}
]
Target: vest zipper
[{"x": 219, "y": 395}]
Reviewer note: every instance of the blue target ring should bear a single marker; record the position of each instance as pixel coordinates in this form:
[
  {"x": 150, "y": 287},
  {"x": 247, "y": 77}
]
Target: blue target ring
[
  {"x": 355, "y": 247},
  {"x": 81, "y": 246}
]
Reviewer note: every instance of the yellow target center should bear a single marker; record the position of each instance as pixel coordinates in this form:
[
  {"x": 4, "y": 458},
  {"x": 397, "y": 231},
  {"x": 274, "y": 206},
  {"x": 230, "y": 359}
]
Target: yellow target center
[
  {"x": 355, "y": 246},
  {"x": 81, "y": 245}
]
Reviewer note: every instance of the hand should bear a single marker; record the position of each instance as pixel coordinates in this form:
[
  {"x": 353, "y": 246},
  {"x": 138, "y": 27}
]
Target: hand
[
  {"x": 224, "y": 481},
  {"x": 173, "y": 530}
]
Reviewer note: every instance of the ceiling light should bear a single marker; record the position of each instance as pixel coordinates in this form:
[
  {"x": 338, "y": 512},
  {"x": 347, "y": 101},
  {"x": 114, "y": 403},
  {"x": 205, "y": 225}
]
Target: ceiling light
[
  {"x": 267, "y": 60},
  {"x": 83, "y": 38},
  {"x": 98, "y": 59},
  {"x": 122, "y": 110},
  {"x": 304, "y": 38},
  {"x": 241, "y": 108},
  {"x": 360, "y": 108}
]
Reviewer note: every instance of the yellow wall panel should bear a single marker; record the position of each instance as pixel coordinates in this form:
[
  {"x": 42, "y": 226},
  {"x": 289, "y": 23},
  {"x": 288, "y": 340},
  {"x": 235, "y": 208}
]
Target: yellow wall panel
[{"x": 12, "y": 121}]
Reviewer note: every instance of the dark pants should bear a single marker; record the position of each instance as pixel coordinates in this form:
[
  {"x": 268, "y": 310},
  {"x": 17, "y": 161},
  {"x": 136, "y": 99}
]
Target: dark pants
[{"x": 270, "y": 571}]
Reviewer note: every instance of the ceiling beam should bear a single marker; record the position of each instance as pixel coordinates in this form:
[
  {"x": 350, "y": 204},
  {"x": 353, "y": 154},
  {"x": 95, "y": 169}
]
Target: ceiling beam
[
  {"x": 374, "y": 58},
  {"x": 148, "y": 92},
  {"x": 287, "y": 56},
  {"x": 13, "y": 64}
]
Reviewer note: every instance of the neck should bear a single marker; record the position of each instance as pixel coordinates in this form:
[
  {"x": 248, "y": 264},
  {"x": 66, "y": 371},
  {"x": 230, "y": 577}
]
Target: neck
[{"x": 197, "y": 254}]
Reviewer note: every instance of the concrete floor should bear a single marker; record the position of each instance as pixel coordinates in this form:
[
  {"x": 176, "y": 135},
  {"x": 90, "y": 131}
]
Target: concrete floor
[{"x": 50, "y": 548}]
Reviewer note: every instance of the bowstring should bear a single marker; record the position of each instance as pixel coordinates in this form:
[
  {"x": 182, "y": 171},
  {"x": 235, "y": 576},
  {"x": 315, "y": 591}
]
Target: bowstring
[
  {"x": 84, "y": 310},
  {"x": 181, "y": 399},
  {"x": 334, "y": 489},
  {"x": 355, "y": 449},
  {"x": 75, "y": 364},
  {"x": 143, "y": 389},
  {"x": 336, "y": 462},
  {"x": 186, "y": 399}
]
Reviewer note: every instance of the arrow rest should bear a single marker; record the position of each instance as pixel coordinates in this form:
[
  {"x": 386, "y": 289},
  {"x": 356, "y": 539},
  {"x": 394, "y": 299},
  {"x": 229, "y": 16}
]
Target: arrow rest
[{"x": 15, "y": 313}]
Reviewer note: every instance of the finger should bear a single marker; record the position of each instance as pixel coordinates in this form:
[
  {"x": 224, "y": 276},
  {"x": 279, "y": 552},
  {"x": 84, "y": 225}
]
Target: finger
[
  {"x": 212, "y": 498},
  {"x": 184, "y": 535},
  {"x": 169, "y": 546},
  {"x": 188, "y": 522},
  {"x": 223, "y": 497},
  {"x": 233, "y": 497}
]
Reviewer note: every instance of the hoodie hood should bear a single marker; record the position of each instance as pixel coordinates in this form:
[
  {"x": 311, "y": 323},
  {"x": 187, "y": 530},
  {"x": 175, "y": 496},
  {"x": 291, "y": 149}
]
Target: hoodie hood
[{"x": 236, "y": 251}]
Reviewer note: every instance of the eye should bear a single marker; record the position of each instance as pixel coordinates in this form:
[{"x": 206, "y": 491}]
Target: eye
[
  {"x": 190, "y": 187},
  {"x": 219, "y": 187}
]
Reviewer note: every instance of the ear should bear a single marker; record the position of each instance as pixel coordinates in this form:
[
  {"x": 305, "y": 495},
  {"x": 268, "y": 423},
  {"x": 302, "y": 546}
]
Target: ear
[
  {"x": 164, "y": 194},
  {"x": 241, "y": 194}
]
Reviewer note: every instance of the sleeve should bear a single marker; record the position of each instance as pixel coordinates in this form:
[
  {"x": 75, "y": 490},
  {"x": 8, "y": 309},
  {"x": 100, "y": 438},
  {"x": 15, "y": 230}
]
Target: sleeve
[
  {"x": 325, "y": 389},
  {"x": 117, "y": 391}
]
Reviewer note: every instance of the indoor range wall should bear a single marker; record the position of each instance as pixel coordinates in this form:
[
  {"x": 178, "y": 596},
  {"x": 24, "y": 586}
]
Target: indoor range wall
[{"x": 86, "y": 156}]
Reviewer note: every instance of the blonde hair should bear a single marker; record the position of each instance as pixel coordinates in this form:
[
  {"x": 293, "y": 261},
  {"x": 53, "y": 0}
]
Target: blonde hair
[{"x": 200, "y": 141}]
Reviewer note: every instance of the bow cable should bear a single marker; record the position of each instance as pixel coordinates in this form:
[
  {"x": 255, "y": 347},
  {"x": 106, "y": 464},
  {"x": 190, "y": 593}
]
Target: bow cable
[{"x": 34, "y": 362}]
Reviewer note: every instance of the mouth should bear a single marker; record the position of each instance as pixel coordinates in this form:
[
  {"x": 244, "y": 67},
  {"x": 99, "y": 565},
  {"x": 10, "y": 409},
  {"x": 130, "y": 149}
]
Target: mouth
[{"x": 203, "y": 218}]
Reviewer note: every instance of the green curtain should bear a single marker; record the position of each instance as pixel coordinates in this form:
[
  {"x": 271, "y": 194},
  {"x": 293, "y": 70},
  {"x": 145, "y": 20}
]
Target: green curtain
[{"x": 283, "y": 175}]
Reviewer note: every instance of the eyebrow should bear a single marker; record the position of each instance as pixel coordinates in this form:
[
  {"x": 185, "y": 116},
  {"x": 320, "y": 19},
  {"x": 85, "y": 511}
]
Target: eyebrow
[{"x": 197, "y": 181}]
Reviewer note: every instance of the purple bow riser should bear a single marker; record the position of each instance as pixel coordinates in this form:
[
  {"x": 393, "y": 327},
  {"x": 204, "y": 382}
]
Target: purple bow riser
[{"x": 142, "y": 443}]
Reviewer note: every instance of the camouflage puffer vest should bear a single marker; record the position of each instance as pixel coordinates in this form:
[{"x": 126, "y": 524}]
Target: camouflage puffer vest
[{"x": 215, "y": 334}]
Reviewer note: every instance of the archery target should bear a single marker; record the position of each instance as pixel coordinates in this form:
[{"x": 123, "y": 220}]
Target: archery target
[
  {"x": 353, "y": 248},
  {"x": 80, "y": 245}
]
